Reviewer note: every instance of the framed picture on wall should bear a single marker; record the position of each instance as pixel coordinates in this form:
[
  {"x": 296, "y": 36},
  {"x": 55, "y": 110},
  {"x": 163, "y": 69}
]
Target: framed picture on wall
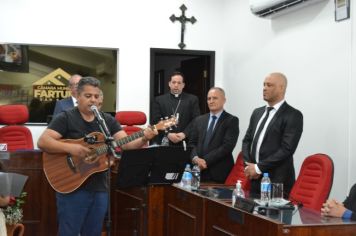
[
  {"x": 342, "y": 10},
  {"x": 14, "y": 58}
]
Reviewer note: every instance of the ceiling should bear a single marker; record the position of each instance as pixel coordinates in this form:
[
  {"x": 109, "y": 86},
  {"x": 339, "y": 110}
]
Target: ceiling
[{"x": 83, "y": 60}]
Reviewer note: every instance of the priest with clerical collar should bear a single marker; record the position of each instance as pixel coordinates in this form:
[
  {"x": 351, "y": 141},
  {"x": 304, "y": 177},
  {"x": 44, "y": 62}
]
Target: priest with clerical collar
[{"x": 183, "y": 106}]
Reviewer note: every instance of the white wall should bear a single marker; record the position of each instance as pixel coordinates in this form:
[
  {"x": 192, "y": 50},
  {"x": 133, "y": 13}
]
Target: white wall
[
  {"x": 133, "y": 27},
  {"x": 314, "y": 51}
]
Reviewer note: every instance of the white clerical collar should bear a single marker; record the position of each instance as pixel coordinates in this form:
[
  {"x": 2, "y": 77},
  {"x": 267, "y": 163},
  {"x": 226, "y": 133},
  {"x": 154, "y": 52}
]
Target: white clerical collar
[{"x": 176, "y": 95}]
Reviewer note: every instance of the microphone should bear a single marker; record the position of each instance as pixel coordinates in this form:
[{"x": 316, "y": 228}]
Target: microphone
[
  {"x": 102, "y": 124},
  {"x": 96, "y": 112}
]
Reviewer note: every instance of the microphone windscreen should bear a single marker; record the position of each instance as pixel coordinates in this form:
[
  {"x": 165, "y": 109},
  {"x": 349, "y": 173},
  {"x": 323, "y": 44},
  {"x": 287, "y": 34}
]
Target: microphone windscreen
[{"x": 93, "y": 108}]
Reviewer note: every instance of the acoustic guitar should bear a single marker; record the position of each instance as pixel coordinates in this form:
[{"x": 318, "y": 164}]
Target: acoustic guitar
[{"x": 65, "y": 173}]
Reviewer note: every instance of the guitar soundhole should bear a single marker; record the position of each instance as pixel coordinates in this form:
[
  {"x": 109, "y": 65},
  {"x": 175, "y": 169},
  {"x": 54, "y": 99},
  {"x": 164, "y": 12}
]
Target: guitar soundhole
[{"x": 92, "y": 157}]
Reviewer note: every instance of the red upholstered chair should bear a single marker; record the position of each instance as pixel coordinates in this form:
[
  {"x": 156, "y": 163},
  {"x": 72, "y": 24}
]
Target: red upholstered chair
[
  {"x": 129, "y": 120},
  {"x": 237, "y": 173},
  {"x": 16, "y": 136},
  {"x": 314, "y": 182}
]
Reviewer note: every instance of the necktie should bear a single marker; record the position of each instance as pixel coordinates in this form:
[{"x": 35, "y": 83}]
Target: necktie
[
  {"x": 209, "y": 133},
  {"x": 257, "y": 136}
]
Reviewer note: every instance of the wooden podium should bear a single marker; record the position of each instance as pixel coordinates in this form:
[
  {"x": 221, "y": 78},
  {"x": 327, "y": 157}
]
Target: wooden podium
[{"x": 40, "y": 203}]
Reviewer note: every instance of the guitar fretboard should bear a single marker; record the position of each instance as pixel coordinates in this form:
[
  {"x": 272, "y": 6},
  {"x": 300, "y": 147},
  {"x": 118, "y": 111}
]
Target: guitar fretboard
[
  {"x": 130, "y": 138},
  {"x": 104, "y": 148}
]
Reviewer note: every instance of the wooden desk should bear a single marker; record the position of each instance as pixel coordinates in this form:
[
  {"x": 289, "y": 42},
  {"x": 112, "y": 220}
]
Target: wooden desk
[
  {"x": 40, "y": 204},
  {"x": 186, "y": 211},
  {"x": 165, "y": 210},
  {"x": 138, "y": 211}
]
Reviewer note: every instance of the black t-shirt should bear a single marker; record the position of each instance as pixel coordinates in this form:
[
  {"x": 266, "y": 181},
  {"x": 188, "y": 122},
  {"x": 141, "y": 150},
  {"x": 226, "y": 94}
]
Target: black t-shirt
[{"x": 71, "y": 125}]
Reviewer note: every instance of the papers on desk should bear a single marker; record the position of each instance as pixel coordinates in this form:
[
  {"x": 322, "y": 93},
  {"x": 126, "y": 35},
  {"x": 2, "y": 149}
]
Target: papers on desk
[
  {"x": 11, "y": 184},
  {"x": 280, "y": 203}
]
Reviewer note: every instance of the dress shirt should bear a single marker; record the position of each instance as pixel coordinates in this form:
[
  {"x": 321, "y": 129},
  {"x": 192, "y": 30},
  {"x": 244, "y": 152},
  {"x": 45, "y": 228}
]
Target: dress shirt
[
  {"x": 210, "y": 120},
  {"x": 347, "y": 214},
  {"x": 74, "y": 101},
  {"x": 260, "y": 139}
]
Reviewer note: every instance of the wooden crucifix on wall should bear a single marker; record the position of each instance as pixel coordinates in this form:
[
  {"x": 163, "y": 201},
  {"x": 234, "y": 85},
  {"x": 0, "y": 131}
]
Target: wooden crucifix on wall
[{"x": 182, "y": 19}]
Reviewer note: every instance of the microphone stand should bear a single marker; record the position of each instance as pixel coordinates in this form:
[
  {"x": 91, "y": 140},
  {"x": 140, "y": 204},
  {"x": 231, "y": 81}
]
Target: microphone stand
[{"x": 109, "y": 141}]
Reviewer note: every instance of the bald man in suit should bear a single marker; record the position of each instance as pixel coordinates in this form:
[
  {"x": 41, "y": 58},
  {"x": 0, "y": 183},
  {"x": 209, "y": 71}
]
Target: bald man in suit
[
  {"x": 213, "y": 152},
  {"x": 269, "y": 144}
]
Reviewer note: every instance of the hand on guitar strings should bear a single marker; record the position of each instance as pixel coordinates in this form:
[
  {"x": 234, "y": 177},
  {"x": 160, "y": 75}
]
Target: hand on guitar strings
[{"x": 76, "y": 149}]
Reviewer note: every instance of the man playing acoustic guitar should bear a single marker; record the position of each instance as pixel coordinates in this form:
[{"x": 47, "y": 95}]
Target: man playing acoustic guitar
[{"x": 82, "y": 210}]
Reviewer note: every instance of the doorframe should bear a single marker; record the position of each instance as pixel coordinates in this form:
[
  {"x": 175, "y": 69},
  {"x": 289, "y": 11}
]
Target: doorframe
[{"x": 178, "y": 52}]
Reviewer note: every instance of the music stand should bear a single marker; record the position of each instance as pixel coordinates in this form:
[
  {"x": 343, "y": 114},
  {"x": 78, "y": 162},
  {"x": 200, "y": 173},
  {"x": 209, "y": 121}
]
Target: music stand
[{"x": 152, "y": 166}]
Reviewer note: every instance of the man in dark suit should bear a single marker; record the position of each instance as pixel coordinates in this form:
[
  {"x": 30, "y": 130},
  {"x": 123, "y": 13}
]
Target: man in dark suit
[
  {"x": 173, "y": 103},
  {"x": 272, "y": 137},
  {"x": 71, "y": 101},
  {"x": 213, "y": 137}
]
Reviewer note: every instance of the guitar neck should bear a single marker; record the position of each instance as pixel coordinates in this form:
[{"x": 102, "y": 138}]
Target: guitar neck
[
  {"x": 130, "y": 138},
  {"x": 104, "y": 148}
]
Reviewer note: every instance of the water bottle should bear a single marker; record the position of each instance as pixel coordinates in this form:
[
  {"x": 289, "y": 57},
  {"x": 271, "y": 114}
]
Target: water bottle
[
  {"x": 187, "y": 177},
  {"x": 265, "y": 188},
  {"x": 196, "y": 177},
  {"x": 238, "y": 192},
  {"x": 165, "y": 140}
]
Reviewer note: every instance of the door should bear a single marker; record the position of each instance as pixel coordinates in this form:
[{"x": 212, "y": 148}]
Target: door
[{"x": 198, "y": 68}]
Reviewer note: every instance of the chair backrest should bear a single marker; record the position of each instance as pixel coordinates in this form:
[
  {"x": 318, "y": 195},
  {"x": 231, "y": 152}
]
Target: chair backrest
[
  {"x": 14, "y": 134},
  {"x": 314, "y": 182},
  {"x": 129, "y": 120},
  {"x": 237, "y": 173}
]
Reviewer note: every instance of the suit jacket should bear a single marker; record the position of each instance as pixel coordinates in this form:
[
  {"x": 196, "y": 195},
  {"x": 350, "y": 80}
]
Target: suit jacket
[
  {"x": 165, "y": 105},
  {"x": 278, "y": 145},
  {"x": 218, "y": 155},
  {"x": 62, "y": 105},
  {"x": 350, "y": 202}
]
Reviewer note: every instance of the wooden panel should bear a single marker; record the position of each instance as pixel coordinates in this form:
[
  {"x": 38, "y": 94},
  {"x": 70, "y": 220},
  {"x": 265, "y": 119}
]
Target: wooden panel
[
  {"x": 138, "y": 211},
  {"x": 40, "y": 203},
  {"x": 222, "y": 219},
  {"x": 180, "y": 222},
  {"x": 184, "y": 212},
  {"x": 155, "y": 210},
  {"x": 128, "y": 211},
  {"x": 327, "y": 230}
]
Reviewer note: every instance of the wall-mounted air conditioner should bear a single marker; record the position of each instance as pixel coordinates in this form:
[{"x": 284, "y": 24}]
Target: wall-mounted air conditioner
[{"x": 272, "y": 8}]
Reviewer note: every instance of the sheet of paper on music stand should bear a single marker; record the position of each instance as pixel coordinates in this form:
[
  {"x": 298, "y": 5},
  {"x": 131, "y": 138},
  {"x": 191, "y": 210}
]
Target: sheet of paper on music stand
[
  {"x": 11, "y": 184},
  {"x": 4, "y": 155}
]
